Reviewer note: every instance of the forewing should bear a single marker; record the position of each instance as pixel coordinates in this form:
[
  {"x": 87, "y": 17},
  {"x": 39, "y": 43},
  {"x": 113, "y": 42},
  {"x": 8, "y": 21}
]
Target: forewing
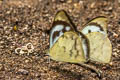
[
  {"x": 61, "y": 24},
  {"x": 98, "y": 24}
]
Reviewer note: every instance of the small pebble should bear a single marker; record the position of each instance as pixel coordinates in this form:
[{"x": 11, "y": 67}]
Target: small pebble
[
  {"x": 104, "y": 68},
  {"x": 115, "y": 35},
  {"x": 23, "y": 71},
  {"x": 111, "y": 63},
  {"x": 92, "y": 5},
  {"x": 15, "y": 28},
  {"x": 26, "y": 61},
  {"x": 1, "y": 67},
  {"x": 115, "y": 54},
  {"x": 69, "y": 1}
]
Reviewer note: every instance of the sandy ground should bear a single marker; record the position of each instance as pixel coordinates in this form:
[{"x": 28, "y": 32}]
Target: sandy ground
[{"x": 32, "y": 16}]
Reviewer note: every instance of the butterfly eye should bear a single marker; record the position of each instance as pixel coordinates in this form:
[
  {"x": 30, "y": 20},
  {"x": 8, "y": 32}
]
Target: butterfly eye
[{"x": 61, "y": 24}]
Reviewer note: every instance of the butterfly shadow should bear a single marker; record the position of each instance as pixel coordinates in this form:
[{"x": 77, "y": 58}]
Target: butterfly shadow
[{"x": 67, "y": 73}]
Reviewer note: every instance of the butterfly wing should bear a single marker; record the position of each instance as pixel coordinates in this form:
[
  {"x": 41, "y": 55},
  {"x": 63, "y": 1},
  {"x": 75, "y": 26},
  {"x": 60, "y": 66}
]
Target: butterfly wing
[
  {"x": 98, "y": 24},
  {"x": 61, "y": 24},
  {"x": 100, "y": 45},
  {"x": 62, "y": 48},
  {"x": 68, "y": 48}
]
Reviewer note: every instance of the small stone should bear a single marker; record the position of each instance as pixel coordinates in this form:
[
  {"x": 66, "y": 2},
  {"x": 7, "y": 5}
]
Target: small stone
[
  {"x": 115, "y": 35},
  {"x": 104, "y": 68},
  {"x": 43, "y": 34},
  {"x": 114, "y": 50},
  {"x": 16, "y": 35},
  {"x": 110, "y": 8},
  {"x": 92, "y": 5},
  {"x": 26, "y": 61},
  {"x": 115, "y": 54},
  {"x": 77, "y": 6},
  {"x": 62, "y": 0},
  {"x": 23, "y": 71},
  {"x": 37, "y": 75},
  {"x": 81, "y": 2},
  {"x": 118, "y": 1},
  {"x": 1, "y": 67},
  {"x": 15, "y": 28},
  {"x": 111, "y": 63},
  {"x": 69, "y": 1}
]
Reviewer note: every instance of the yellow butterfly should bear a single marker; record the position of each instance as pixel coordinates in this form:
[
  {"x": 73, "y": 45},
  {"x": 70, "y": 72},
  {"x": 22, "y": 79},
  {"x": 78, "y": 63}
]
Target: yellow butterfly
[
  {"x": 66, "y": 44},
  {"x": 100, "y": 45},
  {"x": 70, "y": 45}
]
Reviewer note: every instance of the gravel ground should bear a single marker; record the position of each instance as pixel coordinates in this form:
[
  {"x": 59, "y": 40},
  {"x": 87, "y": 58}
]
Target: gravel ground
[{"x": 22, "y": 22}]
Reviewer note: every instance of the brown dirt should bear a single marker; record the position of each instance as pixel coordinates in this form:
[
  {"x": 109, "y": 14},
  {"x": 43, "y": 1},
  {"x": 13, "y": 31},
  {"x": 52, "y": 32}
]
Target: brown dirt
[{"x": 32, "y": 16}]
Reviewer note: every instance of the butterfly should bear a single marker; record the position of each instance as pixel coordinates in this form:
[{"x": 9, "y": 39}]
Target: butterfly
[
  {"x": 100, "y": 45},
  {"x": 68, "y": 44}
]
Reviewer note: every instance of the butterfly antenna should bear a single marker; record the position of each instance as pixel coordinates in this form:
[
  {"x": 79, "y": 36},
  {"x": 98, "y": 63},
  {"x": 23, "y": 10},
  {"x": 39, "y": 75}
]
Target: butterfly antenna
[{"x": 98, "y": 72}]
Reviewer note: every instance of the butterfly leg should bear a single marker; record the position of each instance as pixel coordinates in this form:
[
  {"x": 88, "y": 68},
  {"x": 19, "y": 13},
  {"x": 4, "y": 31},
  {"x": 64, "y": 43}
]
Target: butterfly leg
[{"x": 98, "y": 72}]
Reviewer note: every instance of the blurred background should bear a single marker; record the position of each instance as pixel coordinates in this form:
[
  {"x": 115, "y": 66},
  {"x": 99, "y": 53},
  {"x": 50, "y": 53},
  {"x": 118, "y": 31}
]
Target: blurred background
[{"x": 23, "y": 21}]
